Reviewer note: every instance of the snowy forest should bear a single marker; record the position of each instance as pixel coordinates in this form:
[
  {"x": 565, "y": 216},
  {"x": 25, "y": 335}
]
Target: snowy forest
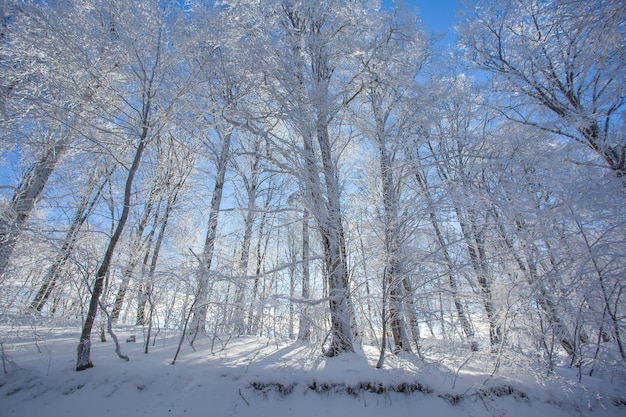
[{"x": 325, "y": 172}]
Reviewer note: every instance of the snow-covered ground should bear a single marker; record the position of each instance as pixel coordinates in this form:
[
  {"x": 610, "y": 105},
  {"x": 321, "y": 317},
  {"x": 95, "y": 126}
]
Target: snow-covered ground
[{"x": 262, "y": 377}]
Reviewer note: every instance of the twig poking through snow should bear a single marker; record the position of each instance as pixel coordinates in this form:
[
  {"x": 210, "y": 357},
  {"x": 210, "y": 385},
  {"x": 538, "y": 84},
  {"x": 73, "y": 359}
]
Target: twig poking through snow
[
  {"x": 242, "y": 397},
  {"x": 118, "y": 350}
]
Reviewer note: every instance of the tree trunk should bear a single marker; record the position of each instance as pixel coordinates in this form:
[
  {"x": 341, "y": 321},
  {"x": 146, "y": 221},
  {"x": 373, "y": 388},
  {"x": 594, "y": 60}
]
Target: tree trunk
[
  {"x": 201, "y": 307},
  {"x": 394, "y": 270},
  {"x": 137, "y": 247},
  {"x": 256, "y": 286},
  {"x": 474, "y": 242},
  {"x": 304, "y": 330},
  {"x": 145, "y": 286},
  {"x": 333, "y": 244},
  {"x": 12, "y": 221},
  {"x": 242, "y": 267},
  {"x": 460, "y": 309},
  {"x": 82, "y": 213},
  {"x": 84, "y": 347},
  {"x": 412, "y": 312},
  {"x": 544, "y": 300},
  {"x": 292, "y": 288}
]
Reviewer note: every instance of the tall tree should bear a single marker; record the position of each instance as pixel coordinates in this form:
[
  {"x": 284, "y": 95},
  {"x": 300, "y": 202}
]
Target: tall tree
[
  {"x": 49, "y": 90},
  {"x": 179, "y": 163},
  {"x": 250, "y": 175},
  {"x": 304, "y": 327},
  {"x": 146, "y": 112},
  {"x": 313, "y": 75},
  {"x": 386, "y": 117},
  {"x": 86, "y": 205}
]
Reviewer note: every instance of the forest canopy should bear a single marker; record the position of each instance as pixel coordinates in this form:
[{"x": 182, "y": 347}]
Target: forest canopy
[{"x": 320, "y": 171}]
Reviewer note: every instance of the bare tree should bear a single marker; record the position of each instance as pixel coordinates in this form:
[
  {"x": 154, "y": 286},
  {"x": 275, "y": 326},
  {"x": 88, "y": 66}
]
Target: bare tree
[
  {"x": 149, "y": 66},
  {"x": 311, "y": 82},
  {"x": 84, "y": 209},
  {"x": 48, "y": 92},
  {"x": 252, "y": 181},
  {"x": 84, "y": 348},
  {"x": 179, "y": 163},
  {"x": 563, "y": 58},
  {"x": 391, "y": 70}
]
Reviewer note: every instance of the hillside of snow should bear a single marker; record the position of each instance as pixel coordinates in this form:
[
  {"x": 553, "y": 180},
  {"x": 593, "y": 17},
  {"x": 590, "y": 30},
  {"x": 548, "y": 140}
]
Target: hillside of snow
[{"x": 251, "y": 376}]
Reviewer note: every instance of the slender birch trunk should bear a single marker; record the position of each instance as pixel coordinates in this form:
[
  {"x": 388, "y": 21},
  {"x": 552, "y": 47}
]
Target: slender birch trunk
[{"x": 204, "y": 269}]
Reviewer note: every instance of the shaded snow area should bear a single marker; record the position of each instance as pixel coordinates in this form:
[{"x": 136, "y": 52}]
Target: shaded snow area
[{"x": 250, "y": 376}]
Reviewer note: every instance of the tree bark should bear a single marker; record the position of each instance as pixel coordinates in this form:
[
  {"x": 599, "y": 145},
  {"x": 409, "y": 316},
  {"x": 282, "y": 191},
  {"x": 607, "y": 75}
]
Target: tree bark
[{"x": 333, "y": 242}]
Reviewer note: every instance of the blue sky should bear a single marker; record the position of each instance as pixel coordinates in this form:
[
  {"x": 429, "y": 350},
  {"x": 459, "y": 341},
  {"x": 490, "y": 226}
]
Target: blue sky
[{"x": 438, "y": 15}]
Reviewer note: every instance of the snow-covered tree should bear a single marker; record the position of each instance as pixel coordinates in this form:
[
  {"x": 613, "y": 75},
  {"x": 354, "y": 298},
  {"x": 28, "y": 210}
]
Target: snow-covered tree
[{"x": 558, "y": 65}]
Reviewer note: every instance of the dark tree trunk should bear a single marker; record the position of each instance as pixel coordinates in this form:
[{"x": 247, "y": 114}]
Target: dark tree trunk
[{"x": 83, "y": 360}]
